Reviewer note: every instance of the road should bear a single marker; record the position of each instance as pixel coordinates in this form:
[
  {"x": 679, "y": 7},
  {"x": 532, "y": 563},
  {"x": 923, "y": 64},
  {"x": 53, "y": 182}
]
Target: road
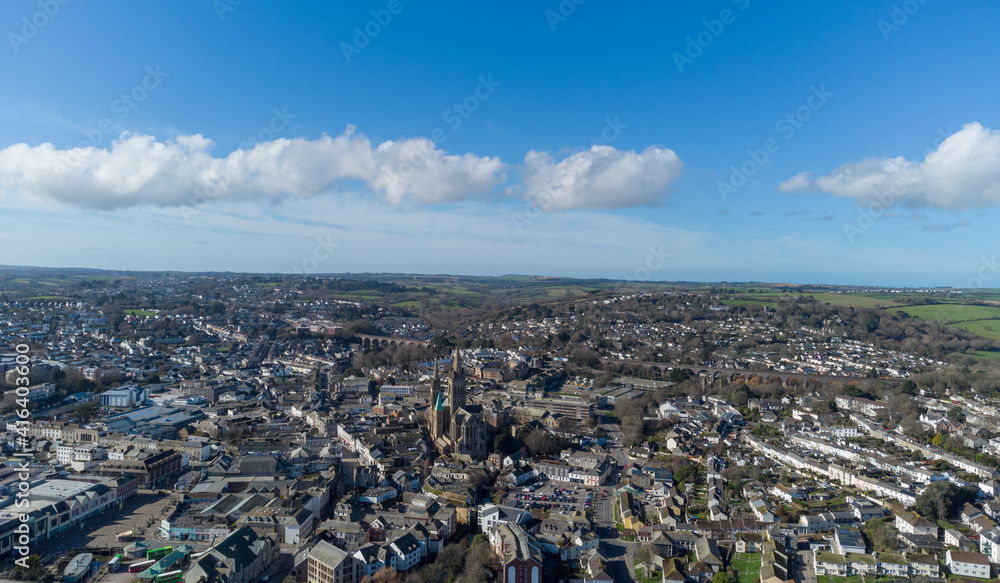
[
  {"x": 805, "y": 573},
  {"x": 617, "y": 552},
  {"x": 614, "y": 443}
]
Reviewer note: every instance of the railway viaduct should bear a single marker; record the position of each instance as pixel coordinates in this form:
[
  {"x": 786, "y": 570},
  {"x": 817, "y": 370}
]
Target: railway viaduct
[{"x": 368, "y": 340}]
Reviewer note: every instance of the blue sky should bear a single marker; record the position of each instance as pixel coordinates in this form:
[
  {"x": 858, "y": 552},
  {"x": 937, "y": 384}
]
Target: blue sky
[{"x": 731, "y": 140}]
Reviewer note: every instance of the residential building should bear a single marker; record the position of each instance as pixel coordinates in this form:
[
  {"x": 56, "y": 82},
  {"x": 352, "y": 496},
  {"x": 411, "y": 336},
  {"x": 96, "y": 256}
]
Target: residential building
[
  {"x": 964, "y": 564},
  {"x": 328, "y": 564}
]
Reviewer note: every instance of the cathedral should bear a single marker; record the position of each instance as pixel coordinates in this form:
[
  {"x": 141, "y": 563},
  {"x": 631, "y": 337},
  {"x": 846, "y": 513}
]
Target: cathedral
[{"x": 456, "y": 427}]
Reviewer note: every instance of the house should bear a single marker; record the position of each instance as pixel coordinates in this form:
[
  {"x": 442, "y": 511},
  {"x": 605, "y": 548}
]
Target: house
[
  {"x": 861, "y": 563},
  {"x": 516, "y": 476},
  {"x": 813, "y": 523},
  {"x": 830, "y": 564},
  {"x": 405, "y": 552},
  {"x": 982, "y": 523},
  {"x": 965, "y": 564},
  {"x": 763, "y": 511},
  {"x": 848, "y": 540},
  {"x": 865, "y": 510},
  {"x": 673, "y": 572},
  {"x": 491, "y": 515},
  {"x": 707, "y": 551},
  {"x": 989, "y": 544},
  {"x": 787, "y": 494},
  {"x": 892, "y": 564},
  {"x": 969, "y": 513},
  {"x": 922, "y": 565},
  {"x": 954, "y": 538},
  {"x": 920, "y": 542},
  {"x": 373, "y": 556},
  {"x": 596, "y": 567},
  {"x": 913, "y": 523}
]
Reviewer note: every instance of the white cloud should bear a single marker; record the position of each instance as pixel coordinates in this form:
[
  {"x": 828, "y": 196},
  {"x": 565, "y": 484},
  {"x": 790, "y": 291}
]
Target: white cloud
[
  {"x": 798, "y": 183},
  {"x": 963, "y": 172},
  {"x": 138, "y": 170},
  {"x": 601, "y": 177}
]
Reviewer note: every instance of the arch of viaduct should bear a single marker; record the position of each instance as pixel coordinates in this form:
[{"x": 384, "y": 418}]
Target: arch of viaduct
[
  {"x": 726, "y": 376},
  {"x": 368, "y": 340}
]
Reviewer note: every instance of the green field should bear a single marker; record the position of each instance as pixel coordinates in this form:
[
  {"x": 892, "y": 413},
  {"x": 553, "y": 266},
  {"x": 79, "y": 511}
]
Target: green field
[
  {"x": 771, "y": 299},
  {"x": 983, "y": 321},
  {"x": 750, "y": 303},
  {"x": 951, "y": 313},
  {"x": 139, "y": 312},
  {"x": 48, "y": 298},
  {"x": 855, "y": 300},
  {"x": 746, "y": 566},
  {"x": 985, "y": 328}
]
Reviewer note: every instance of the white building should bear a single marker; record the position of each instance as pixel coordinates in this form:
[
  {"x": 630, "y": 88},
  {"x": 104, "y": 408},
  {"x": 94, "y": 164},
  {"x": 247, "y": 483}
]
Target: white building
[
  {"x": 397, "y": 390},
  {"x": 491, "y": 515},
  {"x": 124, "y": 397},
  {"x": 965, "y": 564}
]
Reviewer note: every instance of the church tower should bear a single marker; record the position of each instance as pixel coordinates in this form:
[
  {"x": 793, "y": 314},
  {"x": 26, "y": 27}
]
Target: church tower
[{"x": 456, "y": 384}]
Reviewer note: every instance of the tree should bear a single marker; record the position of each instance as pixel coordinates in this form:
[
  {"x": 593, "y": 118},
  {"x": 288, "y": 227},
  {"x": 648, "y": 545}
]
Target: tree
[
  {"x": 643, "y": 556},
  {"x": 955, "y": 414},
  {"x": 541, "y": 442},
  {"x": 505, "y": 444},
  {"x": 679, "y": 375},
  {"x": 723, "y": 577},
  {"x": 384, "y": 575},
  {"x": 452, "y": 558},
  {"x": 35, "y": 571},
  {"x": 478, "y": 562},
  {"x": 941, "y": 500},
  {"x": 939, "y": 440},
  {"x": 882, "y": 535},
  {"x": 84, "y": 411}
]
